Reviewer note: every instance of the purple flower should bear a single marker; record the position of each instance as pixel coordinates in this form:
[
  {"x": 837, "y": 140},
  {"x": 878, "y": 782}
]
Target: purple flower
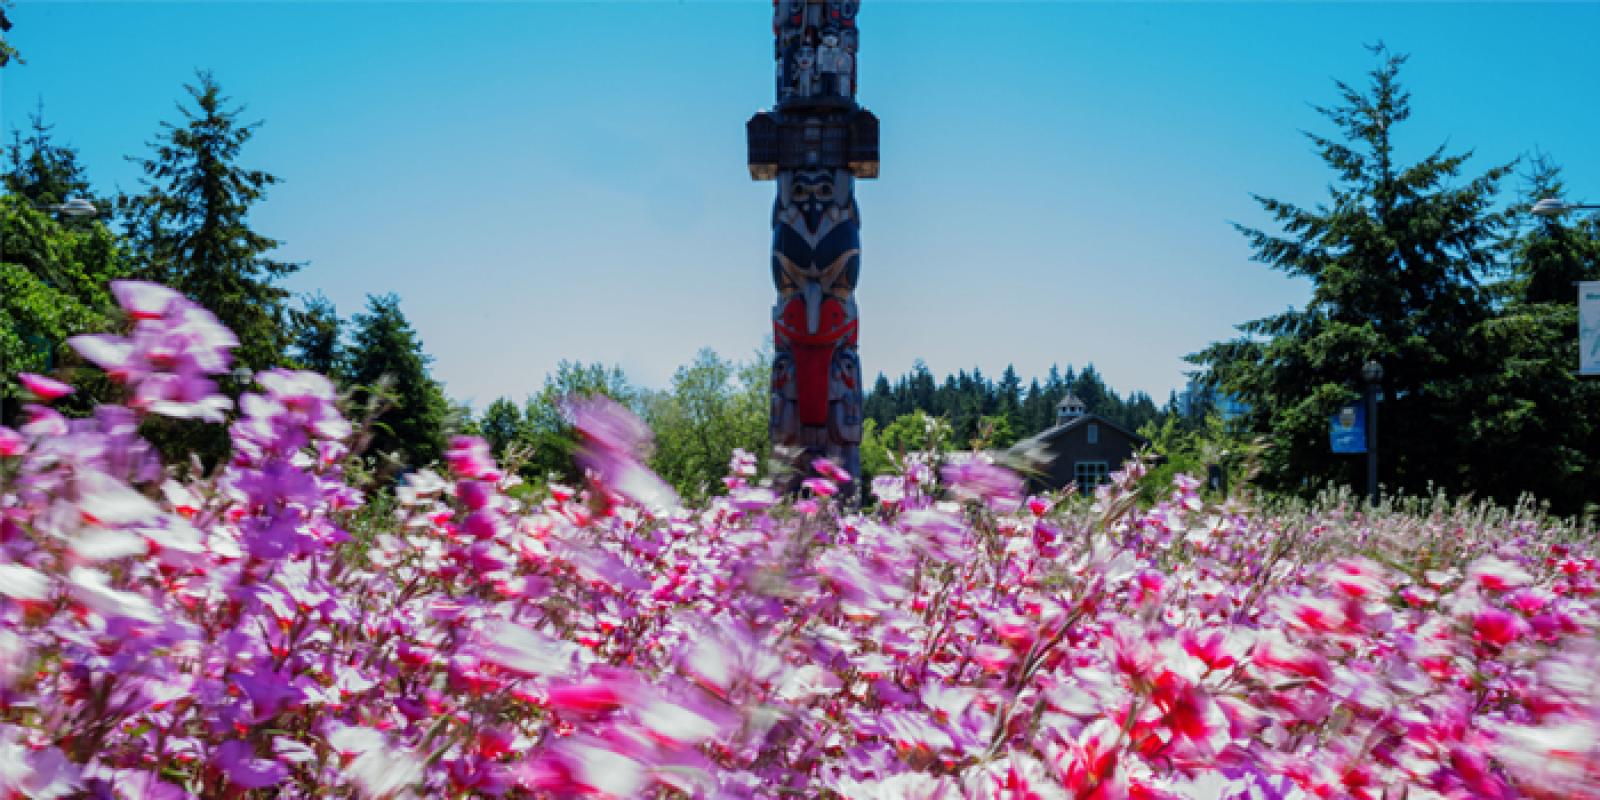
[{"x": 239, "y": 764}]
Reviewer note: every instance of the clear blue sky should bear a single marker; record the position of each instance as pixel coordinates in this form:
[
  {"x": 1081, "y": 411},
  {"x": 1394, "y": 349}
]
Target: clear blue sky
[{"x": 542, "y": 181}]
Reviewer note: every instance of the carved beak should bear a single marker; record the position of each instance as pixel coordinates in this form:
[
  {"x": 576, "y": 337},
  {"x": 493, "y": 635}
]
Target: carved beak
[{"x": 813, "y": 295}]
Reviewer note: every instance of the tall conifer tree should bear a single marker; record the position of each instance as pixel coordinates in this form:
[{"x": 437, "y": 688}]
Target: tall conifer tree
[
  {"x": 385, "y": 354},
  {"x": 191, "y": 230},
  {"x": 1394, "y": 255}
]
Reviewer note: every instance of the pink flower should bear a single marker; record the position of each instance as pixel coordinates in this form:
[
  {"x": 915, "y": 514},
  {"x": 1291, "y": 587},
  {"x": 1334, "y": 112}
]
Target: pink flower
[
  {"x": 1497, "y": 627},
  {"x": 11, "y": 443},
  {"x": 827, "y": 469},
  {"x": 821, "y": 487},
  {"x": 1358, "y": 578},
  {"x": 1496, "y": 574},
  {"x": 144, "y": 300},
  {"x": 46, "y": 389}
]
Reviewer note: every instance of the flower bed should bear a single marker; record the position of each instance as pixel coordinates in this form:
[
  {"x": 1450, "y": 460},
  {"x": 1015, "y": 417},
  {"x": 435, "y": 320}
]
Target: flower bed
[{"x": 227, "y": 637}]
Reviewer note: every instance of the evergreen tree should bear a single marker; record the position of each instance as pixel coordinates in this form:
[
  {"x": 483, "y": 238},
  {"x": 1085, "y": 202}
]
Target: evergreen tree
[
  {"x": 1534, "y": 429},
  {"x": 1008, "y": 400},
  {"x": 316, "y": 334},
  {"x": 879, "y": 404},
  {"x": 385, "y": 361},
  {"x": 502, "y": 425},
  {"x": 1091, "y": 389},
  {"x": 7, "y": 52},
  {"x": 190, "y": 226},
  {"x": 1394, "y": 256},
  {"x": 41, "y": 171}
]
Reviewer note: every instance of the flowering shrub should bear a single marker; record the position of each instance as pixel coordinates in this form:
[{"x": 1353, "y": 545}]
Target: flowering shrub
[{"x": 225, "y": 637}]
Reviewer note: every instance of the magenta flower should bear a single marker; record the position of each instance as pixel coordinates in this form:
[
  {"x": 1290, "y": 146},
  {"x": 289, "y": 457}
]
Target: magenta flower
[
  {"x": 1496, "y": 627},
  {"x": 46, "y": 389},
  {"x": 166, "y": 632},
  {"x": 239, "y": 764}
]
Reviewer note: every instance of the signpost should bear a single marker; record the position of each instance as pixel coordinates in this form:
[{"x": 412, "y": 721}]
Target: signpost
[{"x": 815, "y": 142}]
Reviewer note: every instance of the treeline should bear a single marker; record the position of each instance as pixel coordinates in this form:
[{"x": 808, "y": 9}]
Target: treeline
[
  {"x": 999, "y": 413},
  {"x": 186, "y": 226}
]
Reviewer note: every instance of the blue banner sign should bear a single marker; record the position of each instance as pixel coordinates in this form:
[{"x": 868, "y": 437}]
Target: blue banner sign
[{"x": 1347, "y": 430}]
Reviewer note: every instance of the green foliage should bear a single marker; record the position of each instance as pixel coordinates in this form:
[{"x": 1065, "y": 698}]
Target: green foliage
[
  {"x": 994, "y": 433},
  {"x": 385, "y": 362},
  {"x": 883, "y": 452},
  {"x": 8, "y": 53},
  {"x": 189, "y": 228},
  {"x": 537, "y": 438},
  {"x": 501, "y": 426},
  {"x": 1203, "y": 447},
  {"x": 714, "y": 407},
  {"x": 1394, "y": 255},
  {"x": 315, "y": 332},
  {"x": 549, "y": 435},
  {"x": 973, "y": 404},
  {"x": 1535, "y": 427},
  {"x": 42, "y": 172},
  {"x": 54, "y": 279}
]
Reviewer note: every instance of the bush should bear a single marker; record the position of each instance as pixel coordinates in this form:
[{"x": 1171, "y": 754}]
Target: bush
[{"x": 226, "y": 635}]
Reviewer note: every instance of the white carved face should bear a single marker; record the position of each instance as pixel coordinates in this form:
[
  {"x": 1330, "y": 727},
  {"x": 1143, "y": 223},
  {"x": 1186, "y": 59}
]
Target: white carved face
[{"x": 805, "y": 58}]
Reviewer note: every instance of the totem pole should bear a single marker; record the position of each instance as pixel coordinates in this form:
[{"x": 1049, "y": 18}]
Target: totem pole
[{"x": 815, "y": 142}]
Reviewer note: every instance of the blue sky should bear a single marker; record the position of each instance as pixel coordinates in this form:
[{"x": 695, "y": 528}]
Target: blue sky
[{"x": 540, "y": 181}]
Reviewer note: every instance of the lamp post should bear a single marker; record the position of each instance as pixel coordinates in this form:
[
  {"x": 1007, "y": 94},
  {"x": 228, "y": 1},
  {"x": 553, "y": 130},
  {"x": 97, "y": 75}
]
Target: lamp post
[
  {"x": 1372, "y": 372},
  {"x": 74, "y": 207},
  {"x": 1552, "y": 207}
]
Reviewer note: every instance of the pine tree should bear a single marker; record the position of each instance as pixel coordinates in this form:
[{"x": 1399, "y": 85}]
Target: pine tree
[
  {"x": 1394, "y": 255},
  {"x": 316, "y": 332},
  {"x": 385, "y": 358},
  {"x": 502, "y": 425},
  {"x": 7, "y": 52},
  {"x": 41, "y": 171},
  {"x": 880, "y": 402},
  {"x": 1534, "y": 429},
  {"x": 190, "y": 226}
]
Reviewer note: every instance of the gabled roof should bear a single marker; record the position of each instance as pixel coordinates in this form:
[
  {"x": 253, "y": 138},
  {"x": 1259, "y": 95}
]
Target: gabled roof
[{"x": 1048, "y": 435}]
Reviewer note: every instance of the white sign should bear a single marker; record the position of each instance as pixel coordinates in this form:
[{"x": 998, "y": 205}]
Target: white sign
[{"x": 1589, "y": 328}]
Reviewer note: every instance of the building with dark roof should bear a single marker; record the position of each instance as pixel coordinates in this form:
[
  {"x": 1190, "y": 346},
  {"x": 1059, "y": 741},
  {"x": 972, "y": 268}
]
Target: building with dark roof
[{"x": 1082, "y": 449}]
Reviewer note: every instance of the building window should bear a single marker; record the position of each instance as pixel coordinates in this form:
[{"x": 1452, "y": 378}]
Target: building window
[
  {"x": 1089, "y": 474},
  {"x": 1094, "y": 433}
]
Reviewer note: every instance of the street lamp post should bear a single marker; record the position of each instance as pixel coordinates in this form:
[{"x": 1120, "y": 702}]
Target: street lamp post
[
  {"x": 74, "y": 207},
  {"x": 1552, "y": 207},
  {"x": 1372, "y": 372}
]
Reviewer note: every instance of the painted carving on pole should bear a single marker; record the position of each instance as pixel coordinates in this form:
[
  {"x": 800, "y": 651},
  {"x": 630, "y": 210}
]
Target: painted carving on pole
[{"x": 815, "y": 143}]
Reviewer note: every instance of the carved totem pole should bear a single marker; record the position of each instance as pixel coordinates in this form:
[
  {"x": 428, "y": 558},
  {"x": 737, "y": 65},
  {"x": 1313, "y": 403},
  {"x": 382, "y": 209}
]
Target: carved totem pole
[{"x": 815, "y": 142}]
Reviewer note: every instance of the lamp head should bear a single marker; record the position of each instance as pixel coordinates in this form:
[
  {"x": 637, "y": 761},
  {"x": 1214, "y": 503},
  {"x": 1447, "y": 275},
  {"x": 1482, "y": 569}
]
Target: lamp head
[
  {"x": 78, "y": 207},
  {"x": 1549, "y": 207},
  {"x": 1372, "y": 371}
]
